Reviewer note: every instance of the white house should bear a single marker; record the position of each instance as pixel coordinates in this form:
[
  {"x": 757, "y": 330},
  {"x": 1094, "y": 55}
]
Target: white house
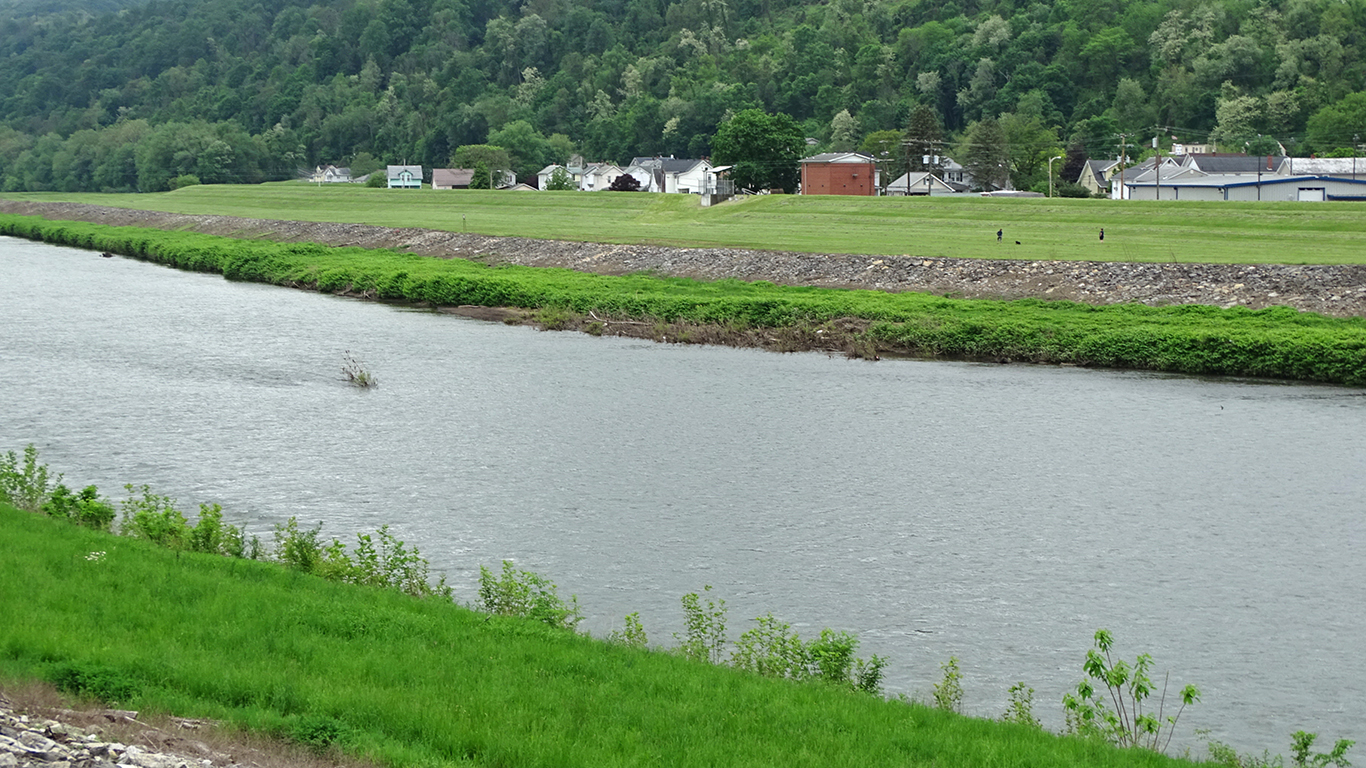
[
  {"x": 544, "y": 175},
  {"x": 598, "y": 176},
  {"x": 405, "y": 176},
  {"x": 330, "y": 174},
  {"x": 676, "y": 176}
]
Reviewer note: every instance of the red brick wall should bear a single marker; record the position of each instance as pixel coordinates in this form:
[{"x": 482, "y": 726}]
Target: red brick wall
[{"x": 837, "y": 179}]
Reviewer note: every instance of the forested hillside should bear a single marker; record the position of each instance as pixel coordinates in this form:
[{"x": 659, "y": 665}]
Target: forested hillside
[{"x": 250, "y": 90}]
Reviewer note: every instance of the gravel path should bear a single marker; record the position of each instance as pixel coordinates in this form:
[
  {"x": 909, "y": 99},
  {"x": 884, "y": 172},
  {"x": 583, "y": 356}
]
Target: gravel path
[{"x": 1333, "y": 290}]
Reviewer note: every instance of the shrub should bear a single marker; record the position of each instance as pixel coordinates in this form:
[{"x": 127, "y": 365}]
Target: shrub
[
  {"x": 624, "y": 183},
  {"x": 299, "y": 549},
  {"x": 154, "y": 518},
  {"x": 210, "y": 535},
  {"x": 948, "y": 692},
  {"x": 85, "y": 508},
  {"x": 633, "y": 635},
  {"x": 560, "y": 181},
  {"x": 1021, "y": 707},
  {"x": 355, "y": 373},
  {"x": 185, "y": 180},
  {"x": 109, "y": 685},
  {"x": 704, "y": 635},
  {"x": 773, "y": 650},
  {"x": 1128, "y": 687},
  {"x": 525, "y": 594},
  {"x": 25, "y": 484},
  {"x": 377, "y": 180},
  {"x": 391, "y": 565}
]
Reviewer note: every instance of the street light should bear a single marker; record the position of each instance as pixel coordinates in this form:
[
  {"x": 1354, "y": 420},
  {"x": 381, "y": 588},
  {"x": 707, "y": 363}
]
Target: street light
[{"x": 1050, "y": 173}]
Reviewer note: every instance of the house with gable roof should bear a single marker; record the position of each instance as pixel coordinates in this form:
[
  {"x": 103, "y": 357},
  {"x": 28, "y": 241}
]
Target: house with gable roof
[
  {"x": 598, "y": 176},
  {"x": 675, "y": 175},
  {"x": 330, "y": 174},
  {"x": 404, "y": 176}
]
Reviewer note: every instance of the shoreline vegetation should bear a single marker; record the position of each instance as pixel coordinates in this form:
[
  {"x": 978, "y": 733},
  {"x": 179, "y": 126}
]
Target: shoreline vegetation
[
  {"x": 360, "y": 653},
  {"x": 1277, "y": 342}
]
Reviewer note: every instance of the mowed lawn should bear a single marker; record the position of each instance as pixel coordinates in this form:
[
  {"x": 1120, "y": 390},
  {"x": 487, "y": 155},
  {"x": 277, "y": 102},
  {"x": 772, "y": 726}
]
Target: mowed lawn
[{"x": 1034, "y": 228}]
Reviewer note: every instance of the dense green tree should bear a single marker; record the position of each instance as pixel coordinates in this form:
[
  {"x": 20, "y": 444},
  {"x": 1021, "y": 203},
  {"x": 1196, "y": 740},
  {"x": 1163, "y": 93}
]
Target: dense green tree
[
  {"x": 885, "y": 147},
  {"x": 924, "y": 139},
  {"x": 985, "y": 155},
  {"x": 291, "y": 84},
  {"x": 1340, "y": 125},
  {"x": 763, "y": 148}
]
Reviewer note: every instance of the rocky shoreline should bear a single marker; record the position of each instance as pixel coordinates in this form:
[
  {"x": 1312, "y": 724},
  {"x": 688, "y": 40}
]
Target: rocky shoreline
[
  {"x": 1338, "y": 290},
  {"x": 41, "y": 742},
  {"x": 38, "y": 730}
]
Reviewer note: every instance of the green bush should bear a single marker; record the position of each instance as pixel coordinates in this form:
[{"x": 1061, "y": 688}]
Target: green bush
[
  {"x": 84, "y": 508},
  {"x": 186, "y": 180},
  {"x": 106, "y": 684},
  {"x": 525, "y": 594},
  {"x": 153, "y": 517},
  {"x": 26, "y": 483}
]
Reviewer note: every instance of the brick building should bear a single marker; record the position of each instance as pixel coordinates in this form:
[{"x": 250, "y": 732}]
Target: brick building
[{"x": 839, "y": 173}]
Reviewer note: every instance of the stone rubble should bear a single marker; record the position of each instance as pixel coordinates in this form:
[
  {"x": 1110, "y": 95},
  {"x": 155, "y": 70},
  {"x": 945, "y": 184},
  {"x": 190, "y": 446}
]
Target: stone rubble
[
  {"x": 35, "y": 742},
  {"x": 1338, "y": 290}
]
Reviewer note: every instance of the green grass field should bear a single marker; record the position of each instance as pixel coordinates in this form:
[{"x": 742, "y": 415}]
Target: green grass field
[
  {"x": 411, "y": 682},
  {"x": 1289, "y": 233}
]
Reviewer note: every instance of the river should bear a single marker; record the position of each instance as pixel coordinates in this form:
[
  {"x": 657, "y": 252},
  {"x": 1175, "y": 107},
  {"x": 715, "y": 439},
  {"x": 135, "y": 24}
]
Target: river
[{"x": 999, "y": 514}]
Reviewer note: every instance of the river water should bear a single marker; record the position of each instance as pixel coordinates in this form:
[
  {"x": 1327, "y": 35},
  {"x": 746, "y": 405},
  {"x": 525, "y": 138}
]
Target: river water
[{"x": 999, "y": 514}]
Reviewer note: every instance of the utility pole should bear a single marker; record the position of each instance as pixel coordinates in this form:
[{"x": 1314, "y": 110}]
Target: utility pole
[
  {"x": 1123, "y": 160},
  {"x": 1157, "y": 169}
]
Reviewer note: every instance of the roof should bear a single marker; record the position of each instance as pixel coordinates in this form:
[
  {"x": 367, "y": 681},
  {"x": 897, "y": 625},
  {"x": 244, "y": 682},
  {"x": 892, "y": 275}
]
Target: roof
[
  {"x": 916, "y": 180},
  {"x": 1329, "y": 166},
  {"x": 839, "y": 157},
  {"x": 667, "y": 164},
  {"x": 1236, "y": 163},
  {"x": 395, "y": 170},
  {"x": 1241, "y": 180},
  {"x": 452, "y": 177},
  {"x": 549, "y": 169},
  {"x": 1098, "y": 170}
]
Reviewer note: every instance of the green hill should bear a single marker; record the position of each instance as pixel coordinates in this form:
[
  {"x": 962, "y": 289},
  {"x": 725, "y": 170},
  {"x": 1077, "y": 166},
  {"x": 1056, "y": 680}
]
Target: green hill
[
  {"x": 241, "y": 91},
  {"x": 413, "y": 682}
]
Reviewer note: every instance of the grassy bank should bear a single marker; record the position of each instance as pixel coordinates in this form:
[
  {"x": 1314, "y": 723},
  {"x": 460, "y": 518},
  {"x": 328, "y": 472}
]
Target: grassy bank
[
  {"x": 1276, "y": 342},
  {"x": 1203, "y": 232},
  {"x": 413, "y": 682}
]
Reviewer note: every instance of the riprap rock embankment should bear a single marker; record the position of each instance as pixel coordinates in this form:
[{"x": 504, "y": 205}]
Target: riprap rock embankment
[{"x": 1338, "y": 290}]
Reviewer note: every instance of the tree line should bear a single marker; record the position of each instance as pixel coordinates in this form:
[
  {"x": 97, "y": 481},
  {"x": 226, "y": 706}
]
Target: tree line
[{"x": 246, "y": 90}]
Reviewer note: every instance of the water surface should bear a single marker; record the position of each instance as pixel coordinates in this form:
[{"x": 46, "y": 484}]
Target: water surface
[{"x": 1000, "y": 514}]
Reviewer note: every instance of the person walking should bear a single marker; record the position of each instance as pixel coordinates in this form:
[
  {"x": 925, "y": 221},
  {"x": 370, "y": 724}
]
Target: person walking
[
  {"x": 999, "y": 234},
  {"x": 1102, "y": 234}
]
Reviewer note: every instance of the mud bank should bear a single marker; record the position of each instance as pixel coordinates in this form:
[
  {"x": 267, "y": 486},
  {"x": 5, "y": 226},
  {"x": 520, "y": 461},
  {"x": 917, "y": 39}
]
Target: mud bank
[{"x": 1338, "y": 290}]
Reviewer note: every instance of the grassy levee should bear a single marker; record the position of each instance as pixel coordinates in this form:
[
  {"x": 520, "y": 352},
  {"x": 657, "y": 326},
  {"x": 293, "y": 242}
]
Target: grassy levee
[
  {"x": 1180, "y": 231},
  {"x": 409, "y": 682},
  {"x": 1276, "y": 342}
]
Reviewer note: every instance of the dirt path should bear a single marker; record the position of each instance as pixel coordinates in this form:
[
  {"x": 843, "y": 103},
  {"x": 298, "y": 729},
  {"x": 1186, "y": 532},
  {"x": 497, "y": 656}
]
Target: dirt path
[{"x": 1331, "y": 290}]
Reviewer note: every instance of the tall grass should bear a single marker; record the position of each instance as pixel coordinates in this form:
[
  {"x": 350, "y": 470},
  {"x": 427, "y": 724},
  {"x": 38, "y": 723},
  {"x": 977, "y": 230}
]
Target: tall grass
[
  {"x": 413, "y": 682},
  {"x": 1276, "y": 342},
  {"x": 1181, "y": 231}
]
